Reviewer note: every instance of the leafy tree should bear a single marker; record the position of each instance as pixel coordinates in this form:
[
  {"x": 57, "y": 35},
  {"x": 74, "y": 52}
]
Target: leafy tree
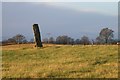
[
  {"x": 70, "y": 40},
  {"x": 11, "y": 40},
  {"x": 24, "y": 41},
  {"x": 64, "y": 40},
  {"x": 77, "y": 41},
  {"x": 58, "y": 40},
  {"x": 93, "y": 42},
  {"x": 31, "y": 40},
  {"x": 114, "y": 41},
  {"x": 45, "y": 40},
  {"x": 99, "y": 40},
  {"x": 106, "y": 35},
  {"x": 85, "y": 40},
  {"x": 51, "y": 40}
]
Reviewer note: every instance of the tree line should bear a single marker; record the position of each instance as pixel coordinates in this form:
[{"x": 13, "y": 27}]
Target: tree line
[{"x": 106, "y": 36}]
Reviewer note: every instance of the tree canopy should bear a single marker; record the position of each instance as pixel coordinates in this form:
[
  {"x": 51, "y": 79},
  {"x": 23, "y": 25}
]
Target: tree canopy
[{"x": 105, "y": 35}]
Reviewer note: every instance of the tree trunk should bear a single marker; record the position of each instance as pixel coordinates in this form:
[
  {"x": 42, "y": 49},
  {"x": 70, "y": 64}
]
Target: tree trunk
[
  {"x": 106, "y": 41},
  {"x": 37, "y": 36}
]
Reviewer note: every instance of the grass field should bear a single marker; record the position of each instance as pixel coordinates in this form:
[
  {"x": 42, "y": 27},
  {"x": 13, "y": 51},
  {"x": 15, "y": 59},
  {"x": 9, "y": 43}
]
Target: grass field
[{"x": 60, "y": 61}]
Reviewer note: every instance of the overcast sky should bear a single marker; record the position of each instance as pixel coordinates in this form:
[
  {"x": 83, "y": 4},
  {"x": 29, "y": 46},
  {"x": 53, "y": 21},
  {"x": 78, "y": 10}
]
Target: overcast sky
[
  {"x": 74, "y": 19},
  {"x": 0, "y": 21}
]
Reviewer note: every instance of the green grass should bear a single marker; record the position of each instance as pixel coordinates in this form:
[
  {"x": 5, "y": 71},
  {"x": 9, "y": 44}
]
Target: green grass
[{"x": 61, "y": 62}]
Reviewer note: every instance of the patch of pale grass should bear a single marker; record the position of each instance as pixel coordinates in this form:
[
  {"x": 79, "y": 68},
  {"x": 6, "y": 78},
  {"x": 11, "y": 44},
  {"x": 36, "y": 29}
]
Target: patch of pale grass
[{"x": 60, "y": 61}]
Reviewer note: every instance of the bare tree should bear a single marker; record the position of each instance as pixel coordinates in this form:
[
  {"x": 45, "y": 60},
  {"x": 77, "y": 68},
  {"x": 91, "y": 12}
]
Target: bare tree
[{"x": 19, "y": 38}]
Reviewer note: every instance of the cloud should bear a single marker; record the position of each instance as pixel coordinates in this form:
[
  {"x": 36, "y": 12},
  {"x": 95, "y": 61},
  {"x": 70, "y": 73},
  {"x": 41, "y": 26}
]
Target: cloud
[{"x": 99, "y": 8}]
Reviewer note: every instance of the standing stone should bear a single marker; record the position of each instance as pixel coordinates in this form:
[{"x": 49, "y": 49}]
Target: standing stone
[{"x": 37, "y": 36}]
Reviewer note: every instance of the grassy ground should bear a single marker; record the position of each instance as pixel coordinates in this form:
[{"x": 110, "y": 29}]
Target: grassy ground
[{"x": 59, "y": 61}]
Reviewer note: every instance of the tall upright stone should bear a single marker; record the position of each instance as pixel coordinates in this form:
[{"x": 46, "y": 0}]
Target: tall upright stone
[{"x": 37, "y": 35}]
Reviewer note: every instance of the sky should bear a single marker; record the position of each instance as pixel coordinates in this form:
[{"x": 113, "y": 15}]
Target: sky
[
  {"x": 74, "y": 19},
  {"x": 0, "y": 21},
  {"x": 60, "y": 0}
]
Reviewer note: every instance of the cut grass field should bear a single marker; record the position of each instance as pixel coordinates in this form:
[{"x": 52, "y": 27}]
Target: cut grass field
[{"x": 60, "y": 61}]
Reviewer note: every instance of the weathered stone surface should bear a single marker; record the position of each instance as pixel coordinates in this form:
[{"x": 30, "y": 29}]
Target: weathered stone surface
[{"x": 37, "y": 36}]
